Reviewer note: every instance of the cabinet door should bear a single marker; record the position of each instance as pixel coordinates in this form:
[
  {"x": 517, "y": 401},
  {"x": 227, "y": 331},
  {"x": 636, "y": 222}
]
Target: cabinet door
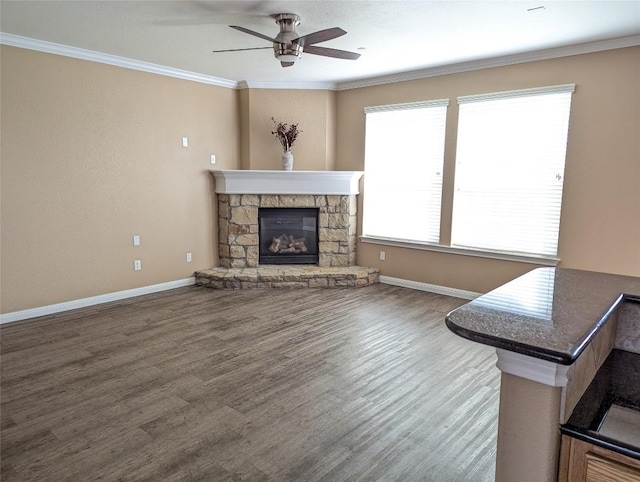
[
  {"x": 581, "y": 461},
  {"x": 602, "y": 470}
]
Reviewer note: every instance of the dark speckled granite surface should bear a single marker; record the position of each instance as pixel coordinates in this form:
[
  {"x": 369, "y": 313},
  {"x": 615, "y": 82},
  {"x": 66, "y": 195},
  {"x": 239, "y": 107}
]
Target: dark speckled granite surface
[
  {"x": 548, "y": 313},
  {"x": 617, "y": 382}
]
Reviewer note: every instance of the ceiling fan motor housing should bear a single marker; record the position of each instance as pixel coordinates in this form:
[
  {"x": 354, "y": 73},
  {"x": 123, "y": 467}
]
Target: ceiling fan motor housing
[{"x": 283, "y": 45}]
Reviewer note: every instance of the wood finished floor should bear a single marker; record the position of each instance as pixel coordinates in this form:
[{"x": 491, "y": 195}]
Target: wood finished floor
[{"x": 284, "y": 385}]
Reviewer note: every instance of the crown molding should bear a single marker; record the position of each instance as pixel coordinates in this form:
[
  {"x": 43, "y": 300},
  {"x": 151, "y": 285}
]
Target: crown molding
[
  {"x": 546, "y": 54},
  {"x": 250, "y": 84},
  {"x": 92, "y": 56},
  {"x": 541, "y": 371}
]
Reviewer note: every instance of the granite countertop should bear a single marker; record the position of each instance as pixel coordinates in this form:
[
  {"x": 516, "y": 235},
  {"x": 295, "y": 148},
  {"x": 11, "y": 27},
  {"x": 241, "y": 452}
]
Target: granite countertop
[
  {"x": 548, "y": 313},
  {"x": 617, "y": 383}
]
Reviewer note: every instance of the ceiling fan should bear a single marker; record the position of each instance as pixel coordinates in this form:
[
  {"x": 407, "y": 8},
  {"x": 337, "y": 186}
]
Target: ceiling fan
[{"x": 288, "y": 45}]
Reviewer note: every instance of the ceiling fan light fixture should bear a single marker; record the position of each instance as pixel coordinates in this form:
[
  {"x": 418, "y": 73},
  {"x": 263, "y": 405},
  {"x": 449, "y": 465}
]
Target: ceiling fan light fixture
[
  {"x": 287, "y": 52},
  {"x": 288, "y": 57}
]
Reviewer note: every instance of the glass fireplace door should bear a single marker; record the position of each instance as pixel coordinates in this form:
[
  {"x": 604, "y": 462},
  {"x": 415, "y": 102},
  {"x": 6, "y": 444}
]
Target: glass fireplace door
[{"x": 288, "y": 235}]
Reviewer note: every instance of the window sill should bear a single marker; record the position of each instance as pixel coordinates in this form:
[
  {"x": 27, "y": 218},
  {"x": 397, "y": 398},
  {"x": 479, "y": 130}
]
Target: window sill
[{"x": 501, "y": 255}]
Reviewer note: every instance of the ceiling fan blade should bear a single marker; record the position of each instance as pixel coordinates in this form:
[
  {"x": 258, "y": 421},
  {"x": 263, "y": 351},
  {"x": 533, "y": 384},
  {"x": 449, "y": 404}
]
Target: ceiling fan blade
[
  {"x": 327, "y": 52},
  {"x": 320, "y": 36},
  {"x": 287, "y": 64},
  {"x": 251, "y": 32},
  {"x": 240, "y": 50}
]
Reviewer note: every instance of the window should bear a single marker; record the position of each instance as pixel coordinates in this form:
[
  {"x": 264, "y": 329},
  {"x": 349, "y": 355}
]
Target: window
[
  {"x": 404, "y": 154},
  {"x": 510, "y": 170},
  {"x": 509, "y": 174}
]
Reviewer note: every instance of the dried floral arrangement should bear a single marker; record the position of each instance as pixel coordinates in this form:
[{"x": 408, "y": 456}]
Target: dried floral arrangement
[{"x": 285, "y": 133}]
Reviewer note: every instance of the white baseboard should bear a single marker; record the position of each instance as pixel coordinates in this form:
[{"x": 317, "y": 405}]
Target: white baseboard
[
  {"x": 144, "y": 290},
  {"x": 93, "y": 300},
  {"x": 441, "y": 290}
]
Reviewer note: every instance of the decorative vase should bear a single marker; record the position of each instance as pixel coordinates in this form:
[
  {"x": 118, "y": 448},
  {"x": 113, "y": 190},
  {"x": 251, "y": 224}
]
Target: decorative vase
[{"x": 287, "y": 161}]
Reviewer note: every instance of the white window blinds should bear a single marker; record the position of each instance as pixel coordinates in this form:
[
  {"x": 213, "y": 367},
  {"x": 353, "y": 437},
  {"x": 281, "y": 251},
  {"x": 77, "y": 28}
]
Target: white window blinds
[
  {"x": 510, "y": 170},
  {"x": 404, "y": 153}
]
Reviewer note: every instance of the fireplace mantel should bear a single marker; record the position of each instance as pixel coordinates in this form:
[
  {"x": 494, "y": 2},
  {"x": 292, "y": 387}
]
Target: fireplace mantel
[{"x": 287, "y": 182}]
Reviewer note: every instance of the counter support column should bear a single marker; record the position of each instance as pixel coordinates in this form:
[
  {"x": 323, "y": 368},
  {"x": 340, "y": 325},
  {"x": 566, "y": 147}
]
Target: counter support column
[
  {"x": 528, "y": 433},
  {"x": 531, "y": 408}
]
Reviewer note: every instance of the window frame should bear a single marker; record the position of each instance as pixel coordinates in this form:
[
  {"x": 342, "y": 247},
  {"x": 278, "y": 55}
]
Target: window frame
[
  {"x": 538, "y": 259},
  {"x": 409, "y": 106}
]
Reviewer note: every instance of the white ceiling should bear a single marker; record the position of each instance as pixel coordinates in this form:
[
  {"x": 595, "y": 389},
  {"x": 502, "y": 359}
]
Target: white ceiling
[{"x": 397, "y": 35}]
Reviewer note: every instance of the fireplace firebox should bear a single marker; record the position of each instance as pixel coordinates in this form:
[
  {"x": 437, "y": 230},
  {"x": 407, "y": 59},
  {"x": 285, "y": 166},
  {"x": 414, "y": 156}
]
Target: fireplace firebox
[{"x": 288, "y": 235}]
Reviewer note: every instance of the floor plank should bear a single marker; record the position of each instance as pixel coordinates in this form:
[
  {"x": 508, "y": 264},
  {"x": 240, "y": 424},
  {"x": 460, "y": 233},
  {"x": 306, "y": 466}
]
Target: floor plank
[{"x": 200, "y": 384}]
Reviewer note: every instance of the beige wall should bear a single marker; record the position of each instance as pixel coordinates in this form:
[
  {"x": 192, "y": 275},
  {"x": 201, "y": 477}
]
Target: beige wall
[
  {"x": 312, "y": 110},
  {"x": 91, "y": 155},
  {"x": 600, "y": 225},
  {"x": 244, "y": 114}
]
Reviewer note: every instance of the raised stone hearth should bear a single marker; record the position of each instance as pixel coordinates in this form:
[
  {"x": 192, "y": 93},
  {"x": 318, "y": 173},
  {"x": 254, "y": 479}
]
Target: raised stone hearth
[
  {"x": 242, "y": 193},
  {"x": 287, "y": 276}
]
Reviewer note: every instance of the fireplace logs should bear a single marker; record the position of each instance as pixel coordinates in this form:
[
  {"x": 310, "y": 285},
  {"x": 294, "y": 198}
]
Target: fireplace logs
[{"x": 286, "y": 243}]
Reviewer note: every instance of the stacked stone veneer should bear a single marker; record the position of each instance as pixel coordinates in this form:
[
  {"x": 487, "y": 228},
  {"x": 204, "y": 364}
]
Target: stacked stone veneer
[
  {"x": 238, "y": 227},
  {"x": 287, "y": 276}
]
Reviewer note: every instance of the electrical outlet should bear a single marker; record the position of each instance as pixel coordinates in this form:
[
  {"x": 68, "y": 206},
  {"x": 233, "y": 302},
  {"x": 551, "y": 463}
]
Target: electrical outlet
[
  {"x": 213, "y": 158},
  {"x": 188, "y": 257},
  {"x": 185, "y": 142},
  {"x": 137, "y": 265},
  {"x": 383, "y": 255}
]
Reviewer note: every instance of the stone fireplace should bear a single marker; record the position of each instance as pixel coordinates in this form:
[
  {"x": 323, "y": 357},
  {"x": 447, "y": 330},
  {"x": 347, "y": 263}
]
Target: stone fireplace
[
  {"x": 243, "y": 194},
  {"x": 238, "y": 240}
]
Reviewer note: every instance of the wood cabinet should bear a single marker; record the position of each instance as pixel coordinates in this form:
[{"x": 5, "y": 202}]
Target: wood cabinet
[{"x": 581, "y": 461}]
